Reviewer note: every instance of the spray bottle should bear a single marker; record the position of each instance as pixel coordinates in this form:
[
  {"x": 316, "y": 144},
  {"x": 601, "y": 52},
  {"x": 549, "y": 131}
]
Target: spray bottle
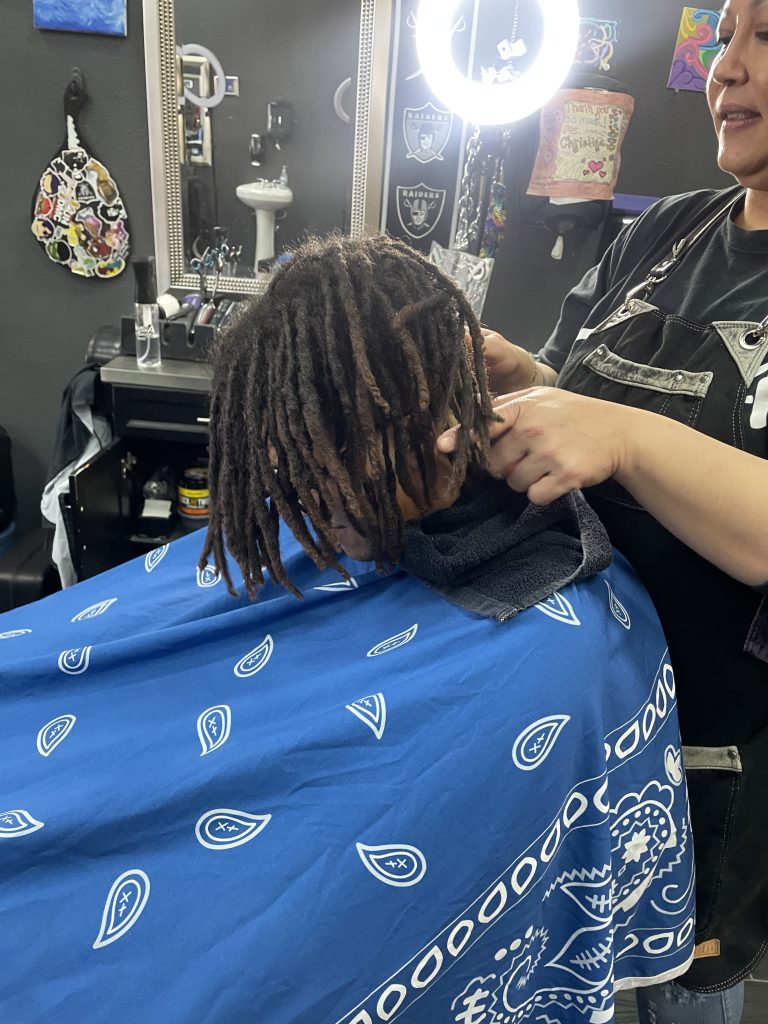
[{"x": 147, "y": 314}]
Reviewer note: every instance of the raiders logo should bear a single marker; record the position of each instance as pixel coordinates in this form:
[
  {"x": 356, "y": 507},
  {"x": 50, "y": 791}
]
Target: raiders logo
[
  {"x": 426, "y": 130},
  {"x": 419, "y": 209}
]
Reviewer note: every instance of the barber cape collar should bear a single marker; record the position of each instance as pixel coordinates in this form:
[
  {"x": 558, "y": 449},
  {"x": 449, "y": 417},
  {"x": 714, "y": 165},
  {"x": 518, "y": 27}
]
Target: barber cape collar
[{"x": 78, "y": 215}]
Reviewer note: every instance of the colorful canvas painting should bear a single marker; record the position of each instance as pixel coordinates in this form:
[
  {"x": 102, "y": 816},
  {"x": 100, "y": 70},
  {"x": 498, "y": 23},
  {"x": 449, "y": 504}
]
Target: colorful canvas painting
[
  {"x": 104, "y": 17},
  {"x": 597, "y": 43},
  {"x": 695, "y": 50},
  {"x": 582, "y": 131}
]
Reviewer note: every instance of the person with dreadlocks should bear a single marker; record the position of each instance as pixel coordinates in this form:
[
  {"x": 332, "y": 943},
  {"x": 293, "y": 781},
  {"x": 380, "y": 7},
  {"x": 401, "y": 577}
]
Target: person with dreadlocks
[
  {"x": 444, "y": 786},
  {"x": 325, "y": 404}
]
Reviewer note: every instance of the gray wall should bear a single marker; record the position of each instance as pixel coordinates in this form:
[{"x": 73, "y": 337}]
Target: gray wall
[{"x": 49, "y": 314}]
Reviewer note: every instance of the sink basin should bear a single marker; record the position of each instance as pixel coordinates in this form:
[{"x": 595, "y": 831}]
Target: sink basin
[
  {"x": 264, "y": 198},
  {"x": 264, "y": 195}
]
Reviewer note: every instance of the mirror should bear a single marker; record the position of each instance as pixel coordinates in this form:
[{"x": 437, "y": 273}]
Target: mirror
[{"x": 262, "y": 124}]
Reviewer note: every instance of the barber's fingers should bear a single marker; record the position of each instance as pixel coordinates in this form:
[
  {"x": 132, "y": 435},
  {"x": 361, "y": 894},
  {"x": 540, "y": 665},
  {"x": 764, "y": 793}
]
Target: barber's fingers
[
  {"x": 485, "y": 331},
  {"x": 549, "y": 488},
  {"x": 536, "y": 477},
  {"x": 448, "y": 441},
  {"x": 498, "y": 353},
  {"x": 522, "y": 472},
  {"x": 507, "y": 410},
  {"x": 507, "y": 407}
]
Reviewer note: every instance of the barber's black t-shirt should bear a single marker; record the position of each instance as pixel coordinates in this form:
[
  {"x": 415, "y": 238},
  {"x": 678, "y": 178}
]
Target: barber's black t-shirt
[
  {"x": 723, "y": 277},
  {"x": 706, "y": 614}
]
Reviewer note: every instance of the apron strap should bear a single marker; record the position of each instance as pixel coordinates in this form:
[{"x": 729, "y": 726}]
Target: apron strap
[
  {"x": 756, "y": 643},
  {"x": 661, "y": 271}
]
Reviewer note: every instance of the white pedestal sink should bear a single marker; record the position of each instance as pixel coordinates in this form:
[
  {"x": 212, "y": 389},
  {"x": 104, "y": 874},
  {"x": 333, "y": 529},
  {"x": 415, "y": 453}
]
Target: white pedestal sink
[{"x": 265, "y": 198}]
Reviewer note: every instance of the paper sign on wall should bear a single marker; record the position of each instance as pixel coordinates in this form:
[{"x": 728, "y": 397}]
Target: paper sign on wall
[
  {"x": 579, "y": 155},
  {"x": 695, "y": 49}
]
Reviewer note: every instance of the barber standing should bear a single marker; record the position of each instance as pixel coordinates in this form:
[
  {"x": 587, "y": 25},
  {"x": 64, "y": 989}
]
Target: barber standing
[{"x": 660, "y": 361}]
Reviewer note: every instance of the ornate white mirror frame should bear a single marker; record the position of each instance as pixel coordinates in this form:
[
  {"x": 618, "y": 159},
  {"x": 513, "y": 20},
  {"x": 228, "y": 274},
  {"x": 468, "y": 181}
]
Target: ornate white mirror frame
[{"x": 162, "y": 109}]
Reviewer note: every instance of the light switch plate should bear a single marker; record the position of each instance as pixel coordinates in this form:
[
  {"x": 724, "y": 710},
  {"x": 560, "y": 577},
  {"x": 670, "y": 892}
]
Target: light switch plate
[{"x": 232, "y": 84}]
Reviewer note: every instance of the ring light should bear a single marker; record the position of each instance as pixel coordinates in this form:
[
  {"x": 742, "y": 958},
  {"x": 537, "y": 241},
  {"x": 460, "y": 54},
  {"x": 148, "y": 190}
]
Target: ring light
[
  {"x": 220, "y": 91},
  {"x": 510, "y": 101}
]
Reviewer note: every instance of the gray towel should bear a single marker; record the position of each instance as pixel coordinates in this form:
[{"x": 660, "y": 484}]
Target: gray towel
[{"x": 495, "y": 554}]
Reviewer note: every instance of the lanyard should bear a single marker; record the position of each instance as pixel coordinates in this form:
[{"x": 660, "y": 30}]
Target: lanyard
[{"x": 660, "y": 272}]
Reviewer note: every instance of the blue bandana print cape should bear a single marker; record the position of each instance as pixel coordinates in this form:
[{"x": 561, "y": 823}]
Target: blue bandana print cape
[{"x": 366, "y": 806}]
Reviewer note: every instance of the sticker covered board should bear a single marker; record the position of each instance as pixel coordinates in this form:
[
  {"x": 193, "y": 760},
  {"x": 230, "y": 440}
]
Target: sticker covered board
[{"x": 78, "y": 215}]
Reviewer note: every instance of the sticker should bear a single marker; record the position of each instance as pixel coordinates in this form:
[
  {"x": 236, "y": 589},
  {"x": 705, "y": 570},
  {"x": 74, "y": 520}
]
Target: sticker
[
  {"x": 419, "y": 209},
  {"x": 427, "y": 130}
]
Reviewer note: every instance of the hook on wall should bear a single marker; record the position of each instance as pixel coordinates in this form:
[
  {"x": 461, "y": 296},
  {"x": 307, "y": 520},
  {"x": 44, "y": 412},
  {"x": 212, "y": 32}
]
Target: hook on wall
[{"x": 338, "y": 101}]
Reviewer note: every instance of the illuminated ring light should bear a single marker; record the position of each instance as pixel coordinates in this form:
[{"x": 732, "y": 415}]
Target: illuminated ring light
[
  {"x": 510, "y": 101},
  {"x": 195, "y": 50}
]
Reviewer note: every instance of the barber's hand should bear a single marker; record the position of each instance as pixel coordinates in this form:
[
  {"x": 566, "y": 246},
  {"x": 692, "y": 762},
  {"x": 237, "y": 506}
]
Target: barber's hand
[
  {"x": 550, "y": 442},
  {"x": 510, "y": 368}
]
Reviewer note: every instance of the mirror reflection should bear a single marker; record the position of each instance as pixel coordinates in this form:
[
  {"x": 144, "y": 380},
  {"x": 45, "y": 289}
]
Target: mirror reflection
[{"x": 266, "y": 125}]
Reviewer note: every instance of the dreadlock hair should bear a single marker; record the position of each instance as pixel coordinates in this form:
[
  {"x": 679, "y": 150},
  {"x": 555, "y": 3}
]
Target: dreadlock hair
[{"x": 340, "y": 374}]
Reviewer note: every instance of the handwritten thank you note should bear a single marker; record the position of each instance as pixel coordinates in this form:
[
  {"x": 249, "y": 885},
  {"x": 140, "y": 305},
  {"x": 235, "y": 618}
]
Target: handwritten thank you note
[{"x": 579, "y": 155}]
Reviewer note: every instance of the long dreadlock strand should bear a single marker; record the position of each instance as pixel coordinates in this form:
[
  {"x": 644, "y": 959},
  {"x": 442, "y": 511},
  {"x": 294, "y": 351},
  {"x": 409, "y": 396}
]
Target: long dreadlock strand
[
  {"x": 339, "y": 395},
  {"x": 309, "y": 412},
  {"x": 298, "y": 472},
  {"x": 217, "y": 449},
  {"x": 356, "y": 332}
]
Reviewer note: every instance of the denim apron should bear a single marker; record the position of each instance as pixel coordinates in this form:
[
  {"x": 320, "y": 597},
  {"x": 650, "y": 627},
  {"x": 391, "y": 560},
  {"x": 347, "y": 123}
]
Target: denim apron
[{"x": 717, "y": 628}]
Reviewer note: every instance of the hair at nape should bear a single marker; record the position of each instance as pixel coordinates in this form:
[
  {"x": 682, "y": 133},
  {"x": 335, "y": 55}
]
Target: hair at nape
[{"x": 342, "y": 373}]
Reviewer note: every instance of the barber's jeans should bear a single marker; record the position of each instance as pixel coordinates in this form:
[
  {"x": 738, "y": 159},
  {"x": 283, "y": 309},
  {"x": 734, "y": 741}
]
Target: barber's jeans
[{"x": 673, "y": 1004}]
